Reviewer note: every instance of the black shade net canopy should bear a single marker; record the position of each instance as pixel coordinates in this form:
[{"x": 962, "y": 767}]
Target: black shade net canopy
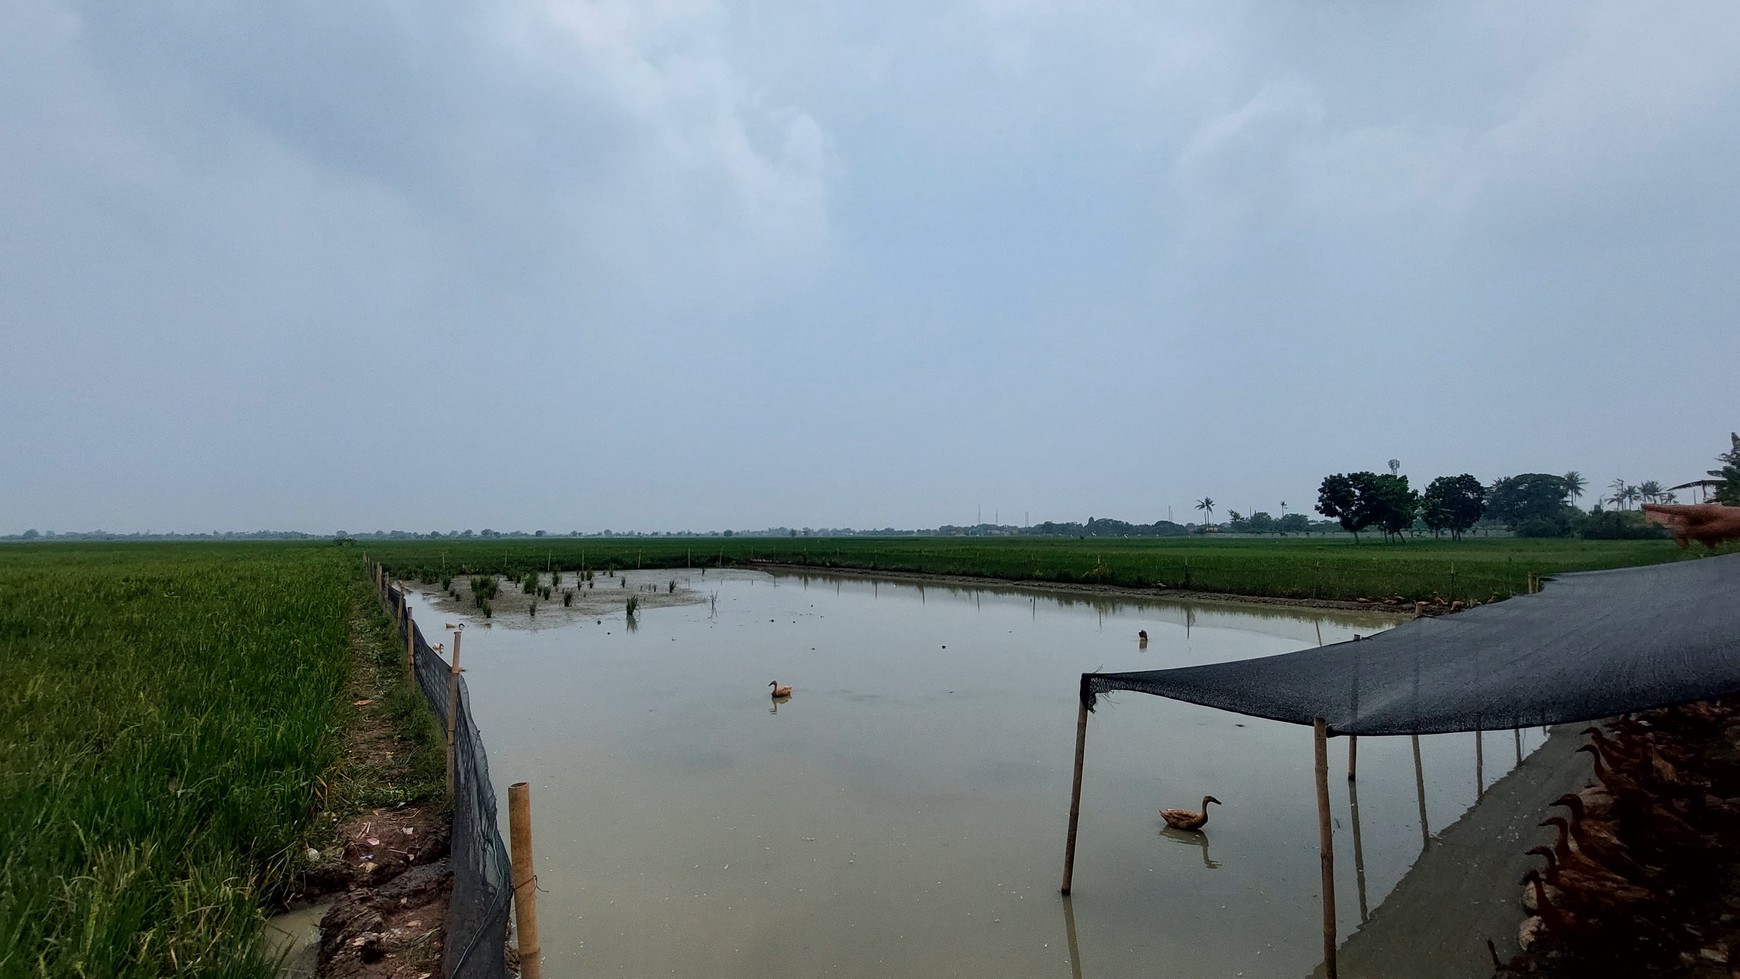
[{"x": 1592, "y": 644}]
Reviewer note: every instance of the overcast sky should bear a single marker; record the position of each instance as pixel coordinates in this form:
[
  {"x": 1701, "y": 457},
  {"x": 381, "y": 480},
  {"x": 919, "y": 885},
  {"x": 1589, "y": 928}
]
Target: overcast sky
[{"x": 668, "y": 264}]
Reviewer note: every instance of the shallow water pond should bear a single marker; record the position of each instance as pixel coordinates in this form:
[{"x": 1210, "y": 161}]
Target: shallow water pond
[{"x": 904, "y": 812}]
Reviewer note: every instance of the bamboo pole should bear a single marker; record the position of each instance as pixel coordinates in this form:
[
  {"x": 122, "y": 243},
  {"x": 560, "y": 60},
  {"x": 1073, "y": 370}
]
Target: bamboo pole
[
  {"x": 1479, "y": 766},
  {"x": 452, "y": 715},
  {"x": 1420, "y": 793},
  {"x": 525, "y": 878},
  {"x": 1352, "y": 755},
  {"x": 410, "y": 643},
  {"x": 1075, "y": 797},
  {"x": 1325, "y": 844}
]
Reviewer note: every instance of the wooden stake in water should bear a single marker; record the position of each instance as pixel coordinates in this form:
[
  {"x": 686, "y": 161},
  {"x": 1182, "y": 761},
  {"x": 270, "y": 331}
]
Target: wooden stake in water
[
  {"x": 1325, "y": 844},
  {"x": 525, "y": 879},
  {"x": 1479, "y": 766},
  {"x": 1075, "y": 797},
  {"x": 1420, "y": 793}
]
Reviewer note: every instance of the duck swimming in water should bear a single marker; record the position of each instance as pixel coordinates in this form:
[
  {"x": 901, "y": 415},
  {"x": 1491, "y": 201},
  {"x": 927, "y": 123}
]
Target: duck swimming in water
[{"x": 1189, "y": 819}]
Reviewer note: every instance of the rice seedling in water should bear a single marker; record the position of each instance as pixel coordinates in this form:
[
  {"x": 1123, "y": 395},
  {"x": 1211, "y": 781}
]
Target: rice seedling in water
[
  {"x": 673, "y": 586},
  {"x": 567, "y": 597}
]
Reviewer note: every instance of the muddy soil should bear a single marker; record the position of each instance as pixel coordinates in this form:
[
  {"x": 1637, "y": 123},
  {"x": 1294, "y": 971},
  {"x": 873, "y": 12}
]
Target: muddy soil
[
  {"x": 386, "y": 865},
  {"x": 602, "y": 596}
]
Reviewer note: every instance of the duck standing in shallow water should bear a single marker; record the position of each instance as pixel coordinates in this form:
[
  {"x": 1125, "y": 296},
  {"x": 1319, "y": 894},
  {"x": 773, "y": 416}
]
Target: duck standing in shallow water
[
  {"x": 779, "y": 691},
  {"x": 1189, "y": 819}
]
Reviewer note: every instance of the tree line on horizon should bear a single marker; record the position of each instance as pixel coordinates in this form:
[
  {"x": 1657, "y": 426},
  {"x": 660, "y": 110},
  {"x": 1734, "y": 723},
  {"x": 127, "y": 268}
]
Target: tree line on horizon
[{"x": 1529, "y": 505}]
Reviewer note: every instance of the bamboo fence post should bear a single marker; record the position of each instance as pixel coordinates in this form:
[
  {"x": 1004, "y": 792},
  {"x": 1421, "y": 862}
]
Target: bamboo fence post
[
  {"x": 452, "y": 716},
  {"x": 410, "y": 643},
  {"x": 1325, "y": 844},
  {"x": 1075, "y": 796},
  {"x": 525, "y": 878}
]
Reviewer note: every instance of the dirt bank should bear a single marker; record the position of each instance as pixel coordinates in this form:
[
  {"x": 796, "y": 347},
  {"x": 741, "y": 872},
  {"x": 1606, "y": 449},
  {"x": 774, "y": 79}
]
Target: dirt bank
[
  {"x": 1390, "y": 607},
  {"x": 377, "y": 851}
]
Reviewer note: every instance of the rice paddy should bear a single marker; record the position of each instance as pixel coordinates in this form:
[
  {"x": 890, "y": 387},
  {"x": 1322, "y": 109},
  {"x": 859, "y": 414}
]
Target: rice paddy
[
  {"x": 1335, "y": 568},
  {"x": 166, "y": 714}
]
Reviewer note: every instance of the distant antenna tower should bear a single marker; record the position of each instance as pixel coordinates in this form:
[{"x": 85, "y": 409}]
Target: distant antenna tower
[{"x": 1395, "y": 466}]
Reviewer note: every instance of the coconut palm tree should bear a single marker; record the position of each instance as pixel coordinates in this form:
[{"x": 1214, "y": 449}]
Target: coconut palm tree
[
  {"x": 1206, "y": 505},
  {"x": 1622, "y": 493},
  {"x": 1649, "y": 491},
  {"x": 1574, "y": 484}
]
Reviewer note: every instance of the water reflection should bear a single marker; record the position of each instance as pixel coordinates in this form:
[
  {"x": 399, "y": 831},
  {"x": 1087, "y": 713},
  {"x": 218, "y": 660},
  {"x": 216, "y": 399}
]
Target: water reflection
[
  {"x": 1358, "y": 847},
  {"x": 1187, "y": 838},
  {"x": 1069, "y": 931}
]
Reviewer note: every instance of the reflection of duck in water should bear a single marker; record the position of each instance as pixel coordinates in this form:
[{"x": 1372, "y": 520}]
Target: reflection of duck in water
[
  {"x": 1187, "y": 819},
  {"x": 1198, "y": 840}
]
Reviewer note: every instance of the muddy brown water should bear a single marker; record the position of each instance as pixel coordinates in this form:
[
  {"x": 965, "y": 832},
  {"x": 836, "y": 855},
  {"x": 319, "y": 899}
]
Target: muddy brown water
[{"x": 903, "y": 813}]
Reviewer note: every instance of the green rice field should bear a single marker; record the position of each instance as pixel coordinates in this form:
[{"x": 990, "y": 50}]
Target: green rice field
[
  {"x": 166, "y": 714},
  {"x": 1297, "y": 568}
]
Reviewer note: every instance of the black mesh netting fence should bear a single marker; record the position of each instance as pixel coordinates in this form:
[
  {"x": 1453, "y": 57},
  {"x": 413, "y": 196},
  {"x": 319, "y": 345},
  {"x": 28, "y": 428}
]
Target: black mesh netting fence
[
  {"x": 1590, "y": 645},
  {"x": 482, "y": 875}
]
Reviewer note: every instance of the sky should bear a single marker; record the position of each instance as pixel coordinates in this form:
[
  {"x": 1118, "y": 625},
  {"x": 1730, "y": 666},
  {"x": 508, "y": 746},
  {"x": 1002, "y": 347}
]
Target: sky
[{"x": 676, "y": 264}]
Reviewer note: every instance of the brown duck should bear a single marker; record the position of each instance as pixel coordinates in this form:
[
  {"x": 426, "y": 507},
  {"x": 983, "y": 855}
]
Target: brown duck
[{"x": 1189, "y": 818}]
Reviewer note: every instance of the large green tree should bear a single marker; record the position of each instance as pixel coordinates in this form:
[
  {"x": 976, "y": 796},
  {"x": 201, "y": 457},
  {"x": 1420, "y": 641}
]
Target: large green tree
[
  {"x": 1392, "y": 503},
  {"x": 1454, "y": 503},
  {"x": 1338, "y": 499},
  {"x": 1532, "y": 504}
]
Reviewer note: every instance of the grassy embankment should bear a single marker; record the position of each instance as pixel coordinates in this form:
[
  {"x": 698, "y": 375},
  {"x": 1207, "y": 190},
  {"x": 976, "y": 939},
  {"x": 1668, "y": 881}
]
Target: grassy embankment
[
  {"x": 1301, "y": 568},
  {"x": 166, "y": 713}
]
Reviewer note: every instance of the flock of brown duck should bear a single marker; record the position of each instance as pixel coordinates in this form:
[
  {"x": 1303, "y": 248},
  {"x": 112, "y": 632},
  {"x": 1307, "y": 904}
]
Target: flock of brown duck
[{"x": 1635, "y": 859}]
